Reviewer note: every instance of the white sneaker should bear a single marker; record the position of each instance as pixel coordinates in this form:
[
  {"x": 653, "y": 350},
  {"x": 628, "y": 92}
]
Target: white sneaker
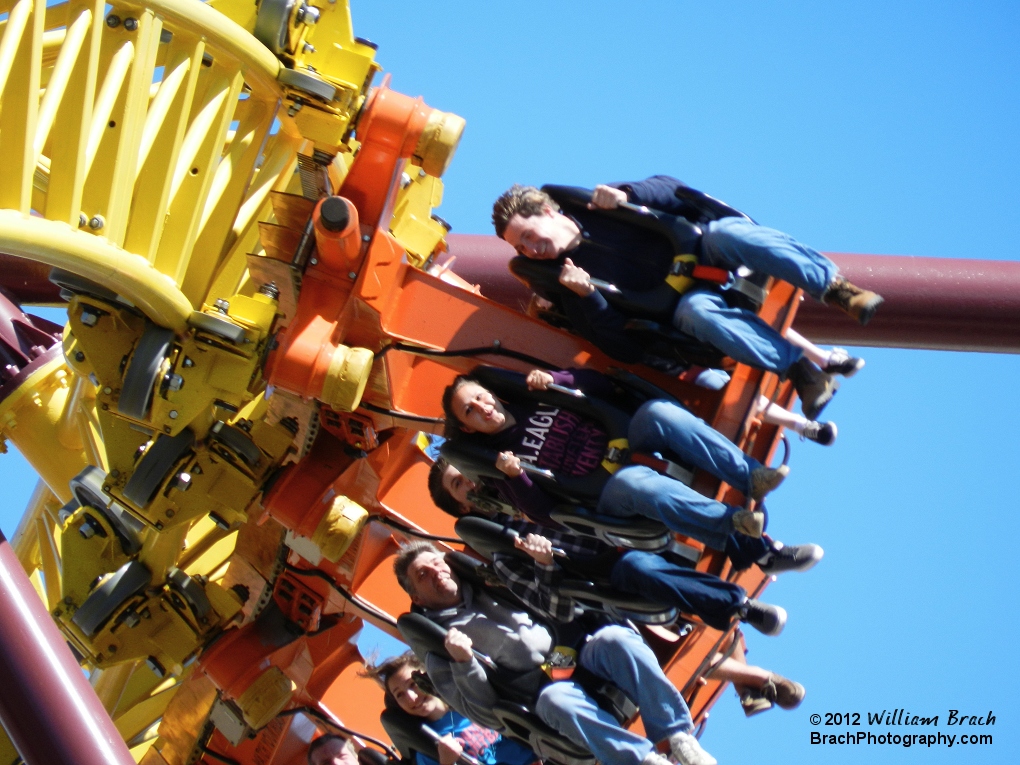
[
  {"x": 687, "y": 750},
  {"x": 654, "y": 758}
]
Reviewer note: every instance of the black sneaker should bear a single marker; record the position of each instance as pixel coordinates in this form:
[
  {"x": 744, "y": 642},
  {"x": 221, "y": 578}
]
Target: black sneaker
[
  {"x": 823, "y": 433},
  {"x": 766, "y": 618},
  {"x": 842, "y": 363},
  {"x": 791, "y": 558},
  {"x": 814, "y": 387}
]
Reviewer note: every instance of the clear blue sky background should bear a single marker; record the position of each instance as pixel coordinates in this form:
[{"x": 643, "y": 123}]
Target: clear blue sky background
[{"x": 887, "y": 128}]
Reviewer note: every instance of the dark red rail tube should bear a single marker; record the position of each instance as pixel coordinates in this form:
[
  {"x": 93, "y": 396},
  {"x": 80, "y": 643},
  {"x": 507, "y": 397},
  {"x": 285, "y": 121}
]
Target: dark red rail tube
[
  {"x": 48, "y": 708},
  {"x": 937, "y": 303}
]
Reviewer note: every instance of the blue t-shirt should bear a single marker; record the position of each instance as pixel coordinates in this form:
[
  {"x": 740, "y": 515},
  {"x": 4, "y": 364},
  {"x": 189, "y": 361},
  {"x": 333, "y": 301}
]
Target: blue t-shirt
[{"x": 484, "y": 744}]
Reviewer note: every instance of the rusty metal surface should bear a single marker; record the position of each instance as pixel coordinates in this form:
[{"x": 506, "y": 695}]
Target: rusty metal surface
[{"x": 48, "y": 707}]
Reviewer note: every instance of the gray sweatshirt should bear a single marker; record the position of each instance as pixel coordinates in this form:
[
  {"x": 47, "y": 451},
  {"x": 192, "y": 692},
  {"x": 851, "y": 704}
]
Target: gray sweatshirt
[{"x": 507, "y": 635}]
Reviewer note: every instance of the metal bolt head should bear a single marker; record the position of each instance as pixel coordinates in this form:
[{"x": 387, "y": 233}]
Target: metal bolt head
[
  {"x": 174, "y": 382},
  {"x": 221, "y": 305},
  {"x": 314, "y": 261},
  {"x": 113, "y": 21},
  {"x": 270, "y": 290},
  {"x": 405, "y": 180},
  {"x": 130, "y": 24},
  {"x": 96, "y": 222},
  {"x": 173, "y": 414},
  {"x": 308, "y": 15},
  {"x": 309, "y": 48},
  {"x": 131, "y": 619},
  {"x": 83, "y": 220},
  {"x": 86, "y": 530},
  {"x": 188, "y": 363},
  {"x": 79, "y": 356},
  {"x": 155, "y": 666},
  {"x": 170, "y": 512},
  {"x": 366, "y": 238},
  {"x": 107, "y": 390},
  {"x": 89, "y": 319},
  {"x": 182, "y": 482},
  {"x": 352, "y": 275}
]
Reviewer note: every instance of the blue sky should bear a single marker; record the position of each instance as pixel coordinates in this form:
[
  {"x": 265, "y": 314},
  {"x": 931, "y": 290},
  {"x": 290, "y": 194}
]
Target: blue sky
[{"x": 887, "y": 128}]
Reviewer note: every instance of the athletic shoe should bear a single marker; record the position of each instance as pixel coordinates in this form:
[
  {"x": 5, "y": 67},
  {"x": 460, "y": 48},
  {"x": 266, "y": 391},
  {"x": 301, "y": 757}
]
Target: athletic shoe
[
  {"x": 687, "y": 750},
  {"x": 823, "y": 433},
  {"x": 654, "y": 758},
  {"x": 791, "y": 558},
  {"x": 754, "y": 702},
  {"x": 765, "y": 479},
  {"x": 842, "y": 363},
  {"x": 814, "y": 387},
  {"x": 764, "y": 617},
  {"x": 749, "y": 523}
]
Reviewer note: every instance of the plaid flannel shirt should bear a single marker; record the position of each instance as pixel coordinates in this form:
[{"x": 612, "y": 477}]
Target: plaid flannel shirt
[{"x": 536, "y": 584}]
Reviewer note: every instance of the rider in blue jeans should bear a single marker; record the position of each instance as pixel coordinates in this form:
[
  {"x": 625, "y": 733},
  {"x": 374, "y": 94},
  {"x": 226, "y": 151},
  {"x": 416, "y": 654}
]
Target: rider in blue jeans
[
  {"x": 588, "y": 243},
  {"x": 559, "y": 440},
  {"x": 517, "y": 643}
]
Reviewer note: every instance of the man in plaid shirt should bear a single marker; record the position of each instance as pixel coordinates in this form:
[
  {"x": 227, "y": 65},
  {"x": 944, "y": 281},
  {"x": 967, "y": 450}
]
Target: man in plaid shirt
[{"x": 536, "y": 581}]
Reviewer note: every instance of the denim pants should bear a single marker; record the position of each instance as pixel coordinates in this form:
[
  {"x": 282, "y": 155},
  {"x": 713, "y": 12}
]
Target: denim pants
[
  {"x": 711, "y": 599},
  {"x": 661, "y": 426},
  {"x": 619, "y": 655},
  {"x": 733, "y": 242}
]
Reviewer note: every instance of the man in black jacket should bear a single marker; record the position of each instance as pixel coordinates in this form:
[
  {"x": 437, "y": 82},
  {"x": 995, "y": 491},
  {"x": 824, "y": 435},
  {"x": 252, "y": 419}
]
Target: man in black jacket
[{"x": 589, "y": 243}]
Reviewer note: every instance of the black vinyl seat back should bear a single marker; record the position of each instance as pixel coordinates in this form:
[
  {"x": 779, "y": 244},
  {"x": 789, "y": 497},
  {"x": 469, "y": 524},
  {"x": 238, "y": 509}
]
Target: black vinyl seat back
[
  {"x": 489, "y": 538},
  {"x": 406, "y": 733}
]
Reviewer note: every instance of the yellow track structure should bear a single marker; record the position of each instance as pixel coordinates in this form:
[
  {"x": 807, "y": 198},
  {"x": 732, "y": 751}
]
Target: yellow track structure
[{"x": 142, "y": 143}]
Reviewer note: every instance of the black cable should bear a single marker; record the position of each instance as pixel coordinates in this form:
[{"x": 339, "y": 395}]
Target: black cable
[
  {"x": 413, "y": 532},
  {"x": 402, "y": 415},
  {"x": 381, "y": 615},
  {"x": 496, "y": 349},
  {"x": 331, "y": 723}
]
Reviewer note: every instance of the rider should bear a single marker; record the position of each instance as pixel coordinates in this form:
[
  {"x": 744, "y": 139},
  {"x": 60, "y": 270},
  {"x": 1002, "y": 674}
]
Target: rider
[
  {"x": 516, "y": 642},
  {"x": 556, "y": 438},
  {"x": 590, "y": 244},
  {"x": 400, "y": 678}
]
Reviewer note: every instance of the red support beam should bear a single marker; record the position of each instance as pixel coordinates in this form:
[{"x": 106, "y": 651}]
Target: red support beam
[{"x": 47, "y": 707}]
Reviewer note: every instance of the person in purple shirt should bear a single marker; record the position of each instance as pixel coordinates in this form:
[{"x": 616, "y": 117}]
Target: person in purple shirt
[{"x": 560, "y": 440}]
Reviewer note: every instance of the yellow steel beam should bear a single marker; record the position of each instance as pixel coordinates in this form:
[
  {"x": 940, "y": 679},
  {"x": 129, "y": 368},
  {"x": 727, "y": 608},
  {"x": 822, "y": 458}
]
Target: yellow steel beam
[{"x": 131, "y": 276}]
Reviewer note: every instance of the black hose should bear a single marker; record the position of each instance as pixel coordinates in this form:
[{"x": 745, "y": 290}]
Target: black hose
[{"x": 381, "y": 615}]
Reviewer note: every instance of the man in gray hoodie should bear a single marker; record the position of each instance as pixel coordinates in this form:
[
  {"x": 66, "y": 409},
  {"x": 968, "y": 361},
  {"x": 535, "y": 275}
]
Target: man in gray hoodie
[{"x": 516, "y": 642}]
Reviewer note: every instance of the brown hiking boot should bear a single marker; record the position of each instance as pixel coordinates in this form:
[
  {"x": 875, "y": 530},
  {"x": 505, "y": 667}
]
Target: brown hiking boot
[
  {"x": 786, "y": 693},
  {"x": 852, "y": 300}
]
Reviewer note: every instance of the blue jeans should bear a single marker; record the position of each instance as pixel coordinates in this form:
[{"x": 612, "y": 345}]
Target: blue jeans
[
  {"x": 740, "y": 334},
  {"x": 713, "y": 600},
  {"x": 661, "y": 426},
  {"x": 619, "y": 655},
  {"x": 733, "y": 242}
]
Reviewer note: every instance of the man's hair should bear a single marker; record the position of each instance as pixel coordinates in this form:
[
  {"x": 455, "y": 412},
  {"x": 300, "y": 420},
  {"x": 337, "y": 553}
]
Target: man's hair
[
  {"x": 519, "y": 200},
  {"x": 443, "y": 499},
  {"x": 382, "y": 673},
  {"x": 407, "y": 555},
  {"x": 454, "y": 426},
  {"x": 321, "y": 742}
]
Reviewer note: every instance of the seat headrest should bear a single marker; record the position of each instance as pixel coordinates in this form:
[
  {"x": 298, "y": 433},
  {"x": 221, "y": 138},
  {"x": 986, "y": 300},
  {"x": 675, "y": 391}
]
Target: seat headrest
[{"x": 485, "y": 537}]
